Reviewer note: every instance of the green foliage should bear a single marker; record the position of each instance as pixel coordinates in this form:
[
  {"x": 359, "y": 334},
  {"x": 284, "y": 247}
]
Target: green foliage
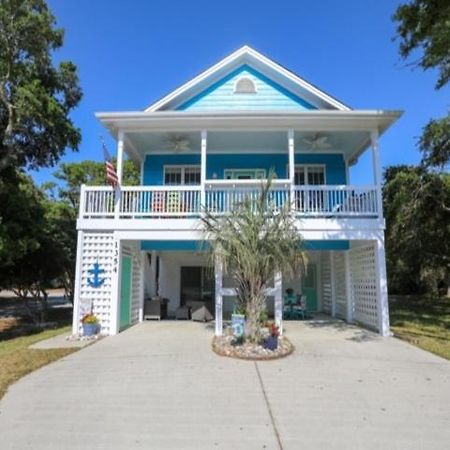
[
  {"x": 253, "y": 242},
  {"x": 423, "y": 27},
  {"x": 417, "y": 212},
  {"x": 31, "y": 256},
  {"x": 36, "y": 97}
]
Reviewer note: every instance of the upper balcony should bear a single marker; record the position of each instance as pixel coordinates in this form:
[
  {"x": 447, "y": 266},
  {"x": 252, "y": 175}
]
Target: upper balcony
[{"x": 220, "y": 196}]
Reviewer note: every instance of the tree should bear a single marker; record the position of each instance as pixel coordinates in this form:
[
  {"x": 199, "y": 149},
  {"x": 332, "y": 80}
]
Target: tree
[
  {"x": 36, "y": 97},
  {"x": 255, "y": 240},
  {"x": 417, "y": 212},
  {"x": 31, "y": 254},
  {"x": 424, "y": 31}
]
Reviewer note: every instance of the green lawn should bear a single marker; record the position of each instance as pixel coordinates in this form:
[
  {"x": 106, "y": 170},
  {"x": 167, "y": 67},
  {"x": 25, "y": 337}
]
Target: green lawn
[
  {"x": 424, "y": 322},
  {"x": 16, "y": 359}
]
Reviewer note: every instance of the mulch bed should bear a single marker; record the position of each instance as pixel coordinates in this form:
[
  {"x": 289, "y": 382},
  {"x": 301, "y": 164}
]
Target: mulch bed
[{"x": 226, "y": 346}]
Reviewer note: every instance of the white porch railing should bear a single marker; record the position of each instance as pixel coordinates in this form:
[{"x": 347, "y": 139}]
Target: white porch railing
[
  {"x": 336, "y": 201},
  {"x": 220, "y": 196}
]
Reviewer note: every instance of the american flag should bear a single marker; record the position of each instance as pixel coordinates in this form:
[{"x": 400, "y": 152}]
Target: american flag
[{"x": 111, "y": 175}]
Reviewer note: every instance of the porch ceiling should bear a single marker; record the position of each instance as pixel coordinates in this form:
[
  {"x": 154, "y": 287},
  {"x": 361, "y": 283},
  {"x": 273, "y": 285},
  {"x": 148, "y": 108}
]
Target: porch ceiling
[
  {"x": 347, "y": 142},
  {"x": 346, "y": 131}
]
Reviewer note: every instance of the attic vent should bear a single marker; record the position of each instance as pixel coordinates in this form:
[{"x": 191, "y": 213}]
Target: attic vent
[{"x": 245, "y": 86}]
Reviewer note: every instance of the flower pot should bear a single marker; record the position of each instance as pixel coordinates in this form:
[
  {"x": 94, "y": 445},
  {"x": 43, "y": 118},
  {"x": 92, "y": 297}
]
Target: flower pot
[
  {"x": 271, "y": 343},
  {"x": 90, "y": 329}
]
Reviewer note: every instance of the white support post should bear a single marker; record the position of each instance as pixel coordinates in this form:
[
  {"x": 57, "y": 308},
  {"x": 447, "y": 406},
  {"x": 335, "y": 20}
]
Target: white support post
[
  {"x": 291, "y": 150},
  {"x": 82, "y": 206},
  {"x": 120, "y": 143},
  {"x": 377, "y": 170},
  {"x": 382, "y": 292},
  {"x": 77, "y": 287},
  {"x": 278, "y": 297},
  {"x": 218, "y": 269},
  {"x": 204, "y": 139},
  {"x": 115, "y": 287},
  {"x": 333, "y": 285},
  {"x": 142, "y": 287},
  {"x": 349, "y": 296}
]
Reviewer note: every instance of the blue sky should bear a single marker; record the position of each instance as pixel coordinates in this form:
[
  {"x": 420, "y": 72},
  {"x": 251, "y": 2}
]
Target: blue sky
[{"x": 131, "y": 52}]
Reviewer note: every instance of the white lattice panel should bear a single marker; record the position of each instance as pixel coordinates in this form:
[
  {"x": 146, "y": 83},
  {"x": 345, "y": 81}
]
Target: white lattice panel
[
  {"x": 134, "y": 251},
  {"x": 98, "y": 247},
  {"x": 363, "y": 279},
  {"x": 325, "y": 277},
  {"x": 340, "y": 291}
]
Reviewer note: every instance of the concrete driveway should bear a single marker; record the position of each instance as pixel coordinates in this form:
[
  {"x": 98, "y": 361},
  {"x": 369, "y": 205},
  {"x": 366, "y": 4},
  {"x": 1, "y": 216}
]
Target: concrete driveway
[{"x": 159, "y": 386}]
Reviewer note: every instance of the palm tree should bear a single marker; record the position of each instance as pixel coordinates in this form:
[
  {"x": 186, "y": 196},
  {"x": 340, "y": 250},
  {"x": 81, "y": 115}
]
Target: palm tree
[{"x": 256, "y": 239}]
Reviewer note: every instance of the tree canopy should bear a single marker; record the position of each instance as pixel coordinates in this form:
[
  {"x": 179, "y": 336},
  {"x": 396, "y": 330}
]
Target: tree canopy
[
  {"x": 417, "y": 212},
  {"x": 36, "y": 97},
  {"x": 423, "y": 28}
]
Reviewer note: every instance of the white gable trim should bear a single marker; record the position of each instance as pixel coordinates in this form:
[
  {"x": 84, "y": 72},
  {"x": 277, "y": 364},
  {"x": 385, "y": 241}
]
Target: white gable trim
[{"x": 229, "y": 60}]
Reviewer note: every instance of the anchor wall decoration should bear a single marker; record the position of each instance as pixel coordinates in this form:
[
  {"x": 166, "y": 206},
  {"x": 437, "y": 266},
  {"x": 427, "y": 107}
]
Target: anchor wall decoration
[{"x": 96, "y": 281}]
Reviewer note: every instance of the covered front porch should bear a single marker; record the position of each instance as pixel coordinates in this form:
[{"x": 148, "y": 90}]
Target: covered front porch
[{"x": 342, "y": 280}]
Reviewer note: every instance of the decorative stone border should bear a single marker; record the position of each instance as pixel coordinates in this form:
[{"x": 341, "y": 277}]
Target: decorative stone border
[{"x": 222, "y": 345}]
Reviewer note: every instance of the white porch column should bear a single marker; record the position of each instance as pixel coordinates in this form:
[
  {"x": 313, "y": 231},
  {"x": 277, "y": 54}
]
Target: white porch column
[
  {"x": 291, "y": 150},
  {"x": 377, "y": 170},
  {"x": 120, "y": 140},
  {"x": 218, "y": 275},
  {"x": 77, "y": 286},
  {"x": 115, "y": 287},
  {"x": 278, "y": 296},
  {"x": 349, "y": 311},
  {"x": 333, "y": 285},
  {"x": 382, "y": 292},
  {"x": 204, "y": 138}
]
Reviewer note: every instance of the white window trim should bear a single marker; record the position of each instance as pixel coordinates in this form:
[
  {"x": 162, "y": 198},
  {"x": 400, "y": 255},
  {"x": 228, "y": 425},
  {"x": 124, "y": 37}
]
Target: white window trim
[
  {"x": 245, "y": 77},
  {"x": 183, "y": 168},
  {"x": 245, "y": 170},
  {"x": 307, "y": 166}
]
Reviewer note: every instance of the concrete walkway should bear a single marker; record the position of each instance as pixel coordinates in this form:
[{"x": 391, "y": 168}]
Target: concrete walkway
[{"x": 159, "y": 386}]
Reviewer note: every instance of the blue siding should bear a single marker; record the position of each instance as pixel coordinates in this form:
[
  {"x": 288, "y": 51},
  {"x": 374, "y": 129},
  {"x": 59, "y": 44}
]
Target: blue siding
[
  {"x": 217, "y": 163},
  {"x": 269, "y": 96},
  {"x": 190, "y": 245}
]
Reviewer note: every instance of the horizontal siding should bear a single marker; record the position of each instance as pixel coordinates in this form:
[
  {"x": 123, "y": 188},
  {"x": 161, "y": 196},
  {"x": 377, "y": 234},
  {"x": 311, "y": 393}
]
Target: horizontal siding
[
  {"x": 269, "y": 95},
  {"x": 217, "y": 163}
]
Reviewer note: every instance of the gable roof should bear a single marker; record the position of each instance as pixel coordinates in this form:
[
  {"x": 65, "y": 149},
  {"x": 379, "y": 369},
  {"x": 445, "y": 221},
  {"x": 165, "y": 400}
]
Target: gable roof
[{"x": 248, "y": 56}]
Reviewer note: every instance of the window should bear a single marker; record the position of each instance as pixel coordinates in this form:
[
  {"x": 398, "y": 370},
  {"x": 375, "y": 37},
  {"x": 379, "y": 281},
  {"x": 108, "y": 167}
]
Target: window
[
  {"x": 245, "y": 86},
  {"x": 312, "y": 175},
  {"x": 181, "y": 175}
]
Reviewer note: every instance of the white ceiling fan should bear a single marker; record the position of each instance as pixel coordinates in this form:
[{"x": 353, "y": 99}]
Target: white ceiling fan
[
  {"x": 177, "y": 142},
  {"x": 317, "y": 142}
]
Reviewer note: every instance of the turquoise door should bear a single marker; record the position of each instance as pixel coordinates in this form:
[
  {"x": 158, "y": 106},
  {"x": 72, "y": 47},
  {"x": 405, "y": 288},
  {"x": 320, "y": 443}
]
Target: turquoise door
[
  {"x": 309, "y": 287},
  {"x": 125, "y": 292}
]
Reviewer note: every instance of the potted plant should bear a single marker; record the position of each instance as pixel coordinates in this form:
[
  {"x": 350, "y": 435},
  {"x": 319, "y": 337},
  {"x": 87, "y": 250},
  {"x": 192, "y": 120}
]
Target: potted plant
[
  {"x": 90, "y": 325},
  {"x": 271, "y": 343}
]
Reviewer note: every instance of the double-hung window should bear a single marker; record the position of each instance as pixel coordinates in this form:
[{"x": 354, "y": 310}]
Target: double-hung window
[{"x": 181, "y": 175}]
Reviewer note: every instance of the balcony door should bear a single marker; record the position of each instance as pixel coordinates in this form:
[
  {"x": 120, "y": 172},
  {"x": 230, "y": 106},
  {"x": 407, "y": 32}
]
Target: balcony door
[{"x": 309, "y": 201}]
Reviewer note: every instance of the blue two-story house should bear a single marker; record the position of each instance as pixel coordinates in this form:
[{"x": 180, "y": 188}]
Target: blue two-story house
[{"x": 208, "y": 144}]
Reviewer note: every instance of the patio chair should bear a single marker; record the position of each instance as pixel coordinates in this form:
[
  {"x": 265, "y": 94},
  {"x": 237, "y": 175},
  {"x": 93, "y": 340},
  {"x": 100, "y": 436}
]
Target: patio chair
[{"x": 299, "y": 309}]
